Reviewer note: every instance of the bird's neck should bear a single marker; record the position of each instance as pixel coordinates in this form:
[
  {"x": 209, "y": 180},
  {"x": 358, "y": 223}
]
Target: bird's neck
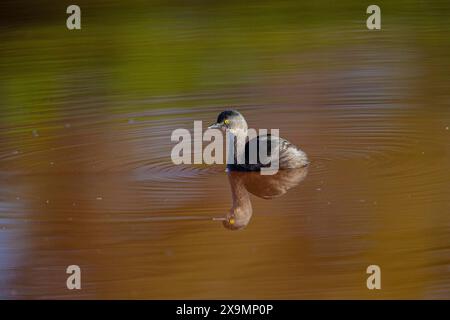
[{"x": 238, "y": 138}]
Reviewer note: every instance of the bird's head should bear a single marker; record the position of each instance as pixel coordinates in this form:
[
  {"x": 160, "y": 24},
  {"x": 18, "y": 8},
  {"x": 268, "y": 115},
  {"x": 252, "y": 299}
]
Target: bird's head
[{"x": 230, "y": 120}]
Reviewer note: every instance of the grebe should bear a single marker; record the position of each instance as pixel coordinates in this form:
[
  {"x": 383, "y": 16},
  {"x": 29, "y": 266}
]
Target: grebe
[{"x": 290, "y": 156}]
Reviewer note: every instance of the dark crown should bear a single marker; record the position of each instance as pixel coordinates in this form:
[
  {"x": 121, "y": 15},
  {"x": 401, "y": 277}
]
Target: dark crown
[{"x": 227, "y": 115}]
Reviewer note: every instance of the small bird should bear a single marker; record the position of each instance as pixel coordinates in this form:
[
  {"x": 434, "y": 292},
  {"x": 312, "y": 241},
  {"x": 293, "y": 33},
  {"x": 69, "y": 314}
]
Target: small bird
[{"x": 289, "y": 156}]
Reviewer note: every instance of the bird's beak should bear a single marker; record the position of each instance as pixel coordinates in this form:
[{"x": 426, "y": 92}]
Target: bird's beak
[{"x": 215, "y": 126}]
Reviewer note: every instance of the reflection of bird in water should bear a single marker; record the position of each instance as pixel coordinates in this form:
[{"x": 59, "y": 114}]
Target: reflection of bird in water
[
  {"x": 290, "y": 156},
  {"x": 263, "y": 186}
]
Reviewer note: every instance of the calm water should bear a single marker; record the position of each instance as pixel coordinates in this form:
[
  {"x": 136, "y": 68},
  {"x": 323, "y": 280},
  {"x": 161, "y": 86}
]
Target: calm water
[{"x": 86, "y": 176}]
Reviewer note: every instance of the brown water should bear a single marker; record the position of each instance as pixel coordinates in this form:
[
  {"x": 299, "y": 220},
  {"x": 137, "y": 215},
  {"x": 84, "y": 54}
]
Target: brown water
[{"x": 87, "y": 179}]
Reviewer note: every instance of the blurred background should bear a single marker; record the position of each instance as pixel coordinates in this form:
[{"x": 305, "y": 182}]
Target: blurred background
[{"x": 86, "y": 176}]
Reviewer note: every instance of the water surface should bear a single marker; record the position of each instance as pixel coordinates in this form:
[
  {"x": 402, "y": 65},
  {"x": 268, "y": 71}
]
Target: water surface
[{"x": 86, "y": 175}]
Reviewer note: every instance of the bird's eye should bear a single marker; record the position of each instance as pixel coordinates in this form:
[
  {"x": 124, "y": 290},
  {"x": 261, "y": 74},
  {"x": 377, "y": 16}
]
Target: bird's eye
[
  {"x": 231, "y": 221},
  {"x": 226, "y": 121}
]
